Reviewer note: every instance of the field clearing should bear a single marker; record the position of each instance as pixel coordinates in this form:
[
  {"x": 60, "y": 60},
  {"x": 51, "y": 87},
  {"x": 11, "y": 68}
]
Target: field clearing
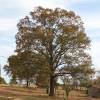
[{"x": 19, "y": 93}]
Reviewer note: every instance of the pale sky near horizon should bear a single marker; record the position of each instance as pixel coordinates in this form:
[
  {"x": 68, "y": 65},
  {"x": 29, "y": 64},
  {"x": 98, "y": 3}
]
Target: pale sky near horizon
[{"x": 11, "y": 11}]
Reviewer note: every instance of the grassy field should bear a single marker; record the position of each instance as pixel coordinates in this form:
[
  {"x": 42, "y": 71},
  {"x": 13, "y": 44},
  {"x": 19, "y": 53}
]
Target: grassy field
[{"x": 19, "y": 93}]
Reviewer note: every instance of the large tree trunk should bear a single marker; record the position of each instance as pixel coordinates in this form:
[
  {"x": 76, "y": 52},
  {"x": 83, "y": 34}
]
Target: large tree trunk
[{"x": 51, "y": 86}]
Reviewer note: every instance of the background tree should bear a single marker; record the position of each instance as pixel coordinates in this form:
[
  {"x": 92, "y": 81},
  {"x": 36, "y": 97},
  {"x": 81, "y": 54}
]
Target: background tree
[
  {"x": 13, "y": 80},
  {"x": 97, "y": 81},
  {"x": 2, "y": 80},
  {"x": 84, "y": 76},
  {"x": 21, "y": 67},
  {"x": 26, "y": 66},
  {"x": 58, "y": 39},
  {"x": 67, "y": 85}
]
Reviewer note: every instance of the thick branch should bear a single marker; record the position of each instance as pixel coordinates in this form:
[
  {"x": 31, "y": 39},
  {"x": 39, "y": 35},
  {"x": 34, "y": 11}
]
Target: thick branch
[{"x": 61, "y": 74}]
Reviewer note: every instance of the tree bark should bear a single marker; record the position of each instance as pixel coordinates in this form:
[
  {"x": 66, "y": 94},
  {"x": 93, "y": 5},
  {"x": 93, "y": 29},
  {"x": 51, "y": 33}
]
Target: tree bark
[{"x": 51, "y": 86}]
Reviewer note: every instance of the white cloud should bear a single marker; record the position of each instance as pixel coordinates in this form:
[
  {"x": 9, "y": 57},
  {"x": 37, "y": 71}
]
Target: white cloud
[
  {"x": 92, "y": 21},
  {"x": 90, "y": 18},
  {"x": 30, "y": 4},
  {"x": 7, "y": 24},
  {"x": 95, "y": 52},
  {"x": 71, "y": 2},
  {"x": 51, "y": 3},
  {"x": 6, "y": 50}
]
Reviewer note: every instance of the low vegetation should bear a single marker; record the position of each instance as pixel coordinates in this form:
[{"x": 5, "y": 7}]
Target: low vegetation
[{"x": 20, "y": 93}]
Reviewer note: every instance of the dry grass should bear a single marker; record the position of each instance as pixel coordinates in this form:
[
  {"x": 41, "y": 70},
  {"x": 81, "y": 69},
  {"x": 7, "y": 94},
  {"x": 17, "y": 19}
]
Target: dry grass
[{"x": 19, "y": 93}]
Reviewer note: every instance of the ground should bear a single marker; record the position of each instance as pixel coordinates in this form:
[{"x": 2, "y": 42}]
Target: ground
[{"x": 20, "y": 93}]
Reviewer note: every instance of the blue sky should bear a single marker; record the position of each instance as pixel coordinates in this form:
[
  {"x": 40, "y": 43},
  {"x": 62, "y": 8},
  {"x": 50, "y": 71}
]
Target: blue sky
[{"x": 11, "y": 11}]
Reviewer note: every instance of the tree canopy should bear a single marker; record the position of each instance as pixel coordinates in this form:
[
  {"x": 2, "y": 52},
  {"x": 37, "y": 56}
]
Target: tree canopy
[{"x": 58, "y": 40}]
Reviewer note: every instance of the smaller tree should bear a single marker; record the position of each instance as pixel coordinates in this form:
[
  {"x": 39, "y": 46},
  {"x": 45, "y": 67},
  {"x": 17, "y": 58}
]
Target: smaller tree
[
  {"x": 67, "y": 81},
  {"x": 2, "y": 80},
  {"x": 97, "y": 81},
  {"x": 13, "y": 81},
  {"x": 21, "y": 66}
]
